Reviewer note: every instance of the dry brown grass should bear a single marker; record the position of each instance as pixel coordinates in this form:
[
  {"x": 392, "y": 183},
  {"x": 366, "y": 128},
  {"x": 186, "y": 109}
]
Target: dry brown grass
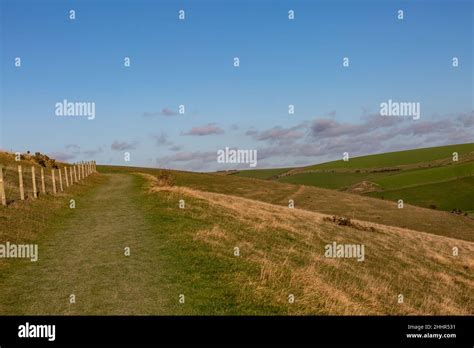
[
  {"x": 287, "y": 247},
  {"x": 331, "y": 202}
]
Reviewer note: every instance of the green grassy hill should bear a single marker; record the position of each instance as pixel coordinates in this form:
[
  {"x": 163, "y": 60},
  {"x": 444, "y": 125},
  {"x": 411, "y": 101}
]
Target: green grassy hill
[
  {"x": 426, "y": 177},
  {"x": 419, "y": 157},
  {"x": 261, "y": 173},
  {"x": 446, "y": 195},
  {"x": 398, "y": 158}
]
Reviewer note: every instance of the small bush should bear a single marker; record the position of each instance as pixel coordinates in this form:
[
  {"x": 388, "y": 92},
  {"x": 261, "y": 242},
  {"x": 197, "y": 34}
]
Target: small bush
[{"x": 43, "y": 160}]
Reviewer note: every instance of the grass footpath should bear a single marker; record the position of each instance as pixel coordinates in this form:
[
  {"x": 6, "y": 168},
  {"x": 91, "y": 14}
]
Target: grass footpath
[{"x": 82, "y": 253}]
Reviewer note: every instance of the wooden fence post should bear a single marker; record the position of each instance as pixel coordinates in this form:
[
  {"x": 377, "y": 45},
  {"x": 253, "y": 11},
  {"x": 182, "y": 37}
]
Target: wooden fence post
[
  {"x": 22, "y": 190},
  {"x": 43, "y": 188},
  {"x": 33, "y": 179},
  {"x": 2, "y": 188},
  {"x": 54, "y": 180},
  {"x": 65, "y": 175},
  {"x": 70, "y": 172},
  {"x": 75, "y": 173},
  {"x": 60, "y": 180}
]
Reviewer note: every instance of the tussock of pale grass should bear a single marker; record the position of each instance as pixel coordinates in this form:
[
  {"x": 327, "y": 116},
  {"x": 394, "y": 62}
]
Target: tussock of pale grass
[{"x": 215, "y": 235}]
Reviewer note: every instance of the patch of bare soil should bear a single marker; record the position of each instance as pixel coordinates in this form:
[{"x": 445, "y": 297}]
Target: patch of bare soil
[{"x": 363, "y": 187}]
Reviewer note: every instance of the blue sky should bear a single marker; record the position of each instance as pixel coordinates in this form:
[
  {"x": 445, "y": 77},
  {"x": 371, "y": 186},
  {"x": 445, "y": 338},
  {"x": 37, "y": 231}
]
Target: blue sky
[{"x": 190, "y": 62}]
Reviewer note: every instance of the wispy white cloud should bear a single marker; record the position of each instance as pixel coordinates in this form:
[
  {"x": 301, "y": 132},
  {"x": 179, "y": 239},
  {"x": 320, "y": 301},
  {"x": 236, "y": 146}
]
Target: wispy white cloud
[
  {"x": 123, "y": 145},
  {"x": 162, "y": 112},
  {"x": 209, "y": 129}
]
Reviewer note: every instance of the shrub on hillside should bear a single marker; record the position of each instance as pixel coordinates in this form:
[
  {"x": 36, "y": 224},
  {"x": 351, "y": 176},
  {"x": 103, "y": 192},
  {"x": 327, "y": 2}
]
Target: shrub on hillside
[
  {"x": 165, "y": 178},
  {"x": 44, "y": 160},
  {"x": 459, "y": 212}
]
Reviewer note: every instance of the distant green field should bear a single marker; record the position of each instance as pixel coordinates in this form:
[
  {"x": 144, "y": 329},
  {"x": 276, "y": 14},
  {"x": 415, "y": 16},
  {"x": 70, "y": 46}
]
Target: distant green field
[
  {"x": 425, "y": 186},
  {"x": 425, "y": 176},
  {"x": 446, "y": 187},
  {"x": 330, "y": 180},
  {"x": 391, "y": 159},
  {"x": 261, "y": 173},
  {"x": 445, "y": 195},
  {"x": 387, "y": 180}
]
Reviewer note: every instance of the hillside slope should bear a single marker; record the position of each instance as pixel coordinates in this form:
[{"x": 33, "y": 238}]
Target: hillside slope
[
  {"x": 395, "y": 175},
  {"x": 321, "y": 200},
  {"x": 284, "y": 249}
]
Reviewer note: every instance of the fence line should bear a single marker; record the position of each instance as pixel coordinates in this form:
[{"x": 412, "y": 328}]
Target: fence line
[{"x": 77, "y": 172}]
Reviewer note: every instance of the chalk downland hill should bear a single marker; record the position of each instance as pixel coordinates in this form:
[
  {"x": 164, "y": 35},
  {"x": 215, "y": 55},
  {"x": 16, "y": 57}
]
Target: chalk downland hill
[{"x": 426, "y": 177}]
